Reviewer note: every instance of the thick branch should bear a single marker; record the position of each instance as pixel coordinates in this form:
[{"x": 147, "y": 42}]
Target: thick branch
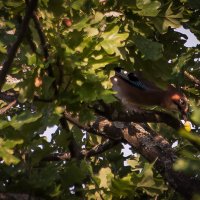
[
  {"x": 114, "y": 115},
  {"x": 151, "y": 146},
  {"x": 154, "y": 147},
  {"x": 13, "y": 50},
  {"x": 139, "y": 116}
]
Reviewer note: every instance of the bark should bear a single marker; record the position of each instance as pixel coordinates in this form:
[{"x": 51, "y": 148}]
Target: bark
[
  {"x": 13, "y": 50},
  {"x": 152, "y": 146}
]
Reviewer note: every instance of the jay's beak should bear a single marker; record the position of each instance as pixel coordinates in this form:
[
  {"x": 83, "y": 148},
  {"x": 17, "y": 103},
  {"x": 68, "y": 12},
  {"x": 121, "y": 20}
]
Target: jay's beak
[{"x": 185, "y": 116}]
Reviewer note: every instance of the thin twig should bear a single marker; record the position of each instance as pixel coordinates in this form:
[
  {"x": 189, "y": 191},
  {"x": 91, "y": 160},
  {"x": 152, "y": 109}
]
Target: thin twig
[
  {"x": 192, "y": 78},
  {"x": 96, "y": 150},
  {"x": 92, "y": 128},
  {"x": 41, "y": 36},
  {"x": 44, "y": 47},
  {"x": 13, "y": 50},
  {"x": 74, "y": 121},
  {"x": 6, "y": 108},
  {"x": 10, "y": 96}
]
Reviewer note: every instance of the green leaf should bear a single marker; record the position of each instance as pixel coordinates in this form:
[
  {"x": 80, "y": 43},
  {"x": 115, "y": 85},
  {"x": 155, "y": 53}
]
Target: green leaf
[
  {"x": 31, "y": 59},
  {"x": 102, "y": 60},
  {"x": 97, "y": 18},
  {"x": 25, "y": 118},
  {"x": 83, "y": 23},
  {"x": 13, "y": 3},
  {"x": 91, "y": 31},
  {"x": 188, "y": 166},
  {"x": 148, "y": 8},
  {"x": 43, "y": 178},
  {"x": 123, "y": 187},
  {"x": 196, "y": 113},
  {"x": 193, "y": 137},
  {"x": 194, "y": 4},
  {"x": 2, "y": 48},
  {"x": 150, "y": 49},
  {"x": 4, "y": 124},
  {"x": 75, "y": 172},
  {"x": 105, "y": 175},
  {"x": 26, "y": 90},
  {"x": 152, "y": 186},
  {"x": 78, "y": 4},
  {"x": 6, "y": 150},
  {"x": 168, "y": 18},
  {"x": 112, "y": 40},
  {"x": 107, "y": 96},
  {"x": 47, "y": 90}
]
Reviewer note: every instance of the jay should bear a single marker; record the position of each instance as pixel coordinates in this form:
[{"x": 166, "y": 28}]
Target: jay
[{"x": 134, "y": 91}]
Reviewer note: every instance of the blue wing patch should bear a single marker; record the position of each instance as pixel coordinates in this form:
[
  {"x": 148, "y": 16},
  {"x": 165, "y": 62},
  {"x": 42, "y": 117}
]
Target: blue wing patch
[{"x": 131, "y": 79}]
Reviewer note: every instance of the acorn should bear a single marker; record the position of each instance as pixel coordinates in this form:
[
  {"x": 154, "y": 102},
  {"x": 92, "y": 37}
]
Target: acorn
[
  {"x": 67, "y": 22},
  {"x": 38, "y": 81}
]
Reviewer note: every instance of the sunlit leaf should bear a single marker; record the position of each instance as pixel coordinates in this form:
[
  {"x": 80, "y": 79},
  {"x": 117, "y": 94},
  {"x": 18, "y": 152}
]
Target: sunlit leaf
[
  {"x": 25, "y": 118},
  {"x": 112, "y": 40},
  {"x": 6, "y": 151}
]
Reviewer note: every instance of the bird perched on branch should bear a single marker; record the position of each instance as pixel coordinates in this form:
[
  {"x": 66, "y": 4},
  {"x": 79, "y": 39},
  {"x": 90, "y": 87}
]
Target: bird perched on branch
[{"x": 134, "y": 91}]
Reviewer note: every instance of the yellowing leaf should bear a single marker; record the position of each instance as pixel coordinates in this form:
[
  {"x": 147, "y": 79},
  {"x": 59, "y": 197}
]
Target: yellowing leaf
[
  {"x": 6, "y": 151},
  {"x": 105, "y": 175}
]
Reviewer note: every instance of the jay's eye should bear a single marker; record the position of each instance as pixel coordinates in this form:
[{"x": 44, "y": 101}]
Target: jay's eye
[{"x": 182, "y": 102}]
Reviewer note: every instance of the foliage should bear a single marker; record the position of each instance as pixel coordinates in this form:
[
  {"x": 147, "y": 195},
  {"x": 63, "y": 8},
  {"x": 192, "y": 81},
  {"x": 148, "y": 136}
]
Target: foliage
[{"x": 85, "y": 41}]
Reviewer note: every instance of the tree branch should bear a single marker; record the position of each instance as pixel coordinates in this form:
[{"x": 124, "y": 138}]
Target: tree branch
[
  {"x": 154, "y": 147},
  {"x": 106, "y": 145},
  {"x": 192, "y": 79},
  {"x": 151, "y": 146},
  {"x": 139, "y": 116},
  {"x": 41, "y": 36},
  {"x": 98, "y": 149},
  {"x": 92, "y": 129},
  {"x": 12, "y": 95},
  {"x": 112, "y": 114},
  {"x": 13, "y": 50},
  {"x": 44, "y": 47},
  {"x": 7, "y": 107}
]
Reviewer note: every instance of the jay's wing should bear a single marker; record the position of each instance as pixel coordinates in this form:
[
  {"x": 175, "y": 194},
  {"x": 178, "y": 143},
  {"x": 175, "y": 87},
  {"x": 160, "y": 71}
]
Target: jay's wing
[
  {"x": 132, "y": 89},
  {"x": 131, "y": 79}
]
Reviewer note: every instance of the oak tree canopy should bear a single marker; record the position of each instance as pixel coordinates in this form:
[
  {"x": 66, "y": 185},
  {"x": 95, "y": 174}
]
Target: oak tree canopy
[{"x": 57, "y": 58}]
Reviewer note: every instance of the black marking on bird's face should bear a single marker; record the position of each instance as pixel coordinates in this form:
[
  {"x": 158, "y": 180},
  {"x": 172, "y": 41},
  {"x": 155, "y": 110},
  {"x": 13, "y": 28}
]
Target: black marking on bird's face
[
  {"x": 182, "y": 106},
  {"x": 133, "y": 77}
]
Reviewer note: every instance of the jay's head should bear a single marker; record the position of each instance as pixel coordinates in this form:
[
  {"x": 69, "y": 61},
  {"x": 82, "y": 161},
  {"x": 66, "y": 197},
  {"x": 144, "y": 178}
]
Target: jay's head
[{"x": 175, "y": 100}]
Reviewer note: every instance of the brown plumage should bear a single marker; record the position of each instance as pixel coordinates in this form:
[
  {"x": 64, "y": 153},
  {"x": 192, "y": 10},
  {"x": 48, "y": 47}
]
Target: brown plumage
[{"x": 134, "y": 91}]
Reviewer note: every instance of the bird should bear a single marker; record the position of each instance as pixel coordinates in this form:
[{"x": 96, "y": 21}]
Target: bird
[{"x": 134, "y": 91}]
